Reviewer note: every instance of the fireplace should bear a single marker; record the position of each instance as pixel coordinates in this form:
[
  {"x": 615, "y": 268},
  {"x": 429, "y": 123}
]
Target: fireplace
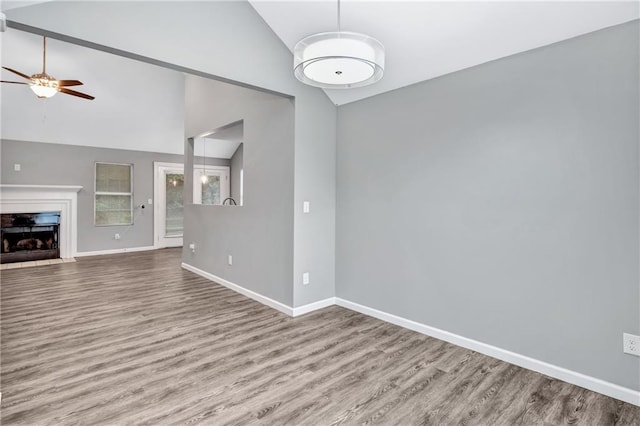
[
  {"x": 29, "y": 236},
  {"x": 22, "y": 199}
]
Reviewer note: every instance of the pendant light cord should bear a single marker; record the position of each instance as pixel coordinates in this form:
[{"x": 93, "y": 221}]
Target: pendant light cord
[{"x": 338, "y": 15}]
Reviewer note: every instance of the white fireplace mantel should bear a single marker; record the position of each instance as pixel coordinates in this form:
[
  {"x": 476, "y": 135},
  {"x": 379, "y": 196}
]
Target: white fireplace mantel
[
  {"x": 9, "y": 188},
  {"x": 47, "y": 198}
]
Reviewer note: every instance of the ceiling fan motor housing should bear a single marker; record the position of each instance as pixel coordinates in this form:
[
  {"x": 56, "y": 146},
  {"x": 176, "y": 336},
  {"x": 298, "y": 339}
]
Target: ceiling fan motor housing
[{"x": 45, "y": 80}]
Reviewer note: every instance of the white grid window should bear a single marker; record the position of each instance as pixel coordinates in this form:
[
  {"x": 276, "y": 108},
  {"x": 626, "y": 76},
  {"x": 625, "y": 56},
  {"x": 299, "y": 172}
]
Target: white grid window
[{"x": 114, "y": 194}]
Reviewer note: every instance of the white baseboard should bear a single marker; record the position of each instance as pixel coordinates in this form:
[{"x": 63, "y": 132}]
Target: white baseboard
[
  {"x": 597, "y": 385},
  {"x": 615, "y": 391},
  {"x": 292, "y": 312},
  {"x": 305, "y": 309},
  {"x": 114, "y": 251},
  {"x": 239, "y": 289}
]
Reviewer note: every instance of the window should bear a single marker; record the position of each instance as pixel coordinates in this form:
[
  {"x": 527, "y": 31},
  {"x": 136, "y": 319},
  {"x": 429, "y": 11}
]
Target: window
[{"x": 113, "y": 194}]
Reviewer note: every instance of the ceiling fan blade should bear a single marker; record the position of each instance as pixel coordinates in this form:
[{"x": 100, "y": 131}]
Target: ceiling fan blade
[
  {"x": 74, "y": 93},
  {"x": 17, "y": 72},
  {"x": 63, "y": 83},
  {"x": 14, "y": 82}
]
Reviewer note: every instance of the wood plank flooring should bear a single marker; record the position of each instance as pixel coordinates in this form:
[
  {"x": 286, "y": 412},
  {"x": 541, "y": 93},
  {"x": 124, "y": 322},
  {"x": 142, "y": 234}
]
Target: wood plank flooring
[{"x": 134, "y": 339}]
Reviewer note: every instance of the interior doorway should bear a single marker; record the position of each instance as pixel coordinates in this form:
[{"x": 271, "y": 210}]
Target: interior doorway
[{"x": 169, "y": 205}]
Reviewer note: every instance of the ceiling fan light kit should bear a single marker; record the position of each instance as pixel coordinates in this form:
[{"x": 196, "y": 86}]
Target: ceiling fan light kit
[
  {"x": 338, "y": 59},
  {"x": 43, "y": 85}
]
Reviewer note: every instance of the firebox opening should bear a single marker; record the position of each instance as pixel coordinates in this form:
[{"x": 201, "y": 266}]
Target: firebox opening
[{"x": 29, "y": 236}]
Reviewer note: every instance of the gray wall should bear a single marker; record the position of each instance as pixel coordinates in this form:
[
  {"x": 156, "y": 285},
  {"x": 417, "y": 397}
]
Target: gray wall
[
  {"x": 500, "y": 203},
  {"x": 315, "y": 176},
  {"x": 259, "y": 235},
  {"x": 237, "y": 161},
  {"x": 55, "y": 164}
]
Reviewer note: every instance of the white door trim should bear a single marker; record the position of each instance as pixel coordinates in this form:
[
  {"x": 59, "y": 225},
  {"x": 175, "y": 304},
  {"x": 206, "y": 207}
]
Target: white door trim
[{"x": 158, "y": 199}]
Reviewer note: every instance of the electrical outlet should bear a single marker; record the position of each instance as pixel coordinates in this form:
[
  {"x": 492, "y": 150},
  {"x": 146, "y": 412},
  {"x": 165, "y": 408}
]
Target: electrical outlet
[
  {"x": 230, "y": 260},
  {"x": 116, "y": 237},
  {"x": 192, "y": 246},
  {"x": 305, "y": 278},
  {"x": 631, "y": 344},
  {"x": 306, "y": 207},
  {"x": 17, "y": 167}
]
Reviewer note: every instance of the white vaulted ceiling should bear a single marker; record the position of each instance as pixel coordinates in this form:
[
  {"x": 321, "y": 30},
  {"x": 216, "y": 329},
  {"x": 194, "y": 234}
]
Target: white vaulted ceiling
[
  {"x": 427, "y": 39},
  {"x": 128, "y": 111}
]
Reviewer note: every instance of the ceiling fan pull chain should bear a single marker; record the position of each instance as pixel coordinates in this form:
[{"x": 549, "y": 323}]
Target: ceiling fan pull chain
[{"x": 44, "y": 114}]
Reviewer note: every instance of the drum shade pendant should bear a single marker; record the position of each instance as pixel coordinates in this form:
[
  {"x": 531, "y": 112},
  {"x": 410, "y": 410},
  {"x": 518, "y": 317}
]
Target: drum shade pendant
[{"x": 338, "y": 59}]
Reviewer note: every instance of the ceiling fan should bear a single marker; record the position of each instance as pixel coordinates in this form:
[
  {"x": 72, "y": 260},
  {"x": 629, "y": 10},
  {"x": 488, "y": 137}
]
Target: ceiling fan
[{"x": 44, "y": 85}]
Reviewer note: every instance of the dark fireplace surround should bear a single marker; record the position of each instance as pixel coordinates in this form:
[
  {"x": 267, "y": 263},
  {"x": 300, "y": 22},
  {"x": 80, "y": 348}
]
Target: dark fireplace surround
[{"x": 29, "y": 236}]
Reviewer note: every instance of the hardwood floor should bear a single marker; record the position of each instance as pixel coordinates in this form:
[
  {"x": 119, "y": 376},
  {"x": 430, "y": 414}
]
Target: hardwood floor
[{"x": 134, "y": 339}]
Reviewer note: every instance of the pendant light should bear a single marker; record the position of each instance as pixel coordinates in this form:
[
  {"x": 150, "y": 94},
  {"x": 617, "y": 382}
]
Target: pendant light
[
  {"x": 338, "y": 59},
  {"x": 204, "y": 178}
]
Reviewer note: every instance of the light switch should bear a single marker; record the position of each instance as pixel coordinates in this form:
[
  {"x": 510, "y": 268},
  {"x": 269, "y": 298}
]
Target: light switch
[
  {"x": 17, "y": 167},
  {"x": 305, "y": 207}
]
